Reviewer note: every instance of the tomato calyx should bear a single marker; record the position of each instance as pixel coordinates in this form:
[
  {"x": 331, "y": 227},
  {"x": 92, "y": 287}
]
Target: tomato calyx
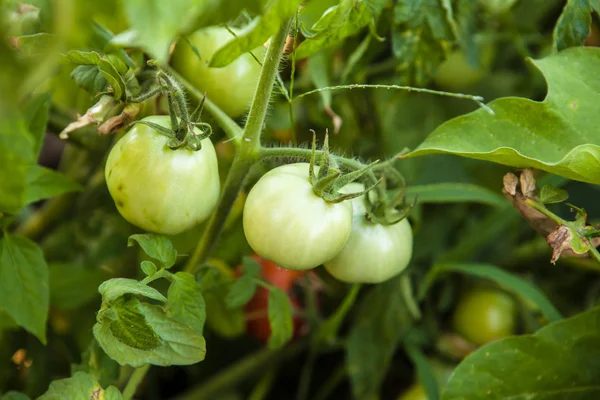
[
  {"x": 329, "y": 179},
  {"x": 182, "y": 133}
]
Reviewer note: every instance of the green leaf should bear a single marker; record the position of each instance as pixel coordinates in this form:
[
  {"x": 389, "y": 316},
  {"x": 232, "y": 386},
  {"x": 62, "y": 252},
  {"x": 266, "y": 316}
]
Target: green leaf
[
  {"x": 17, "y": 148},
  {"x": 12, "y": 395},
  {"x": 421, "y": 37},
  {"x": 280, "y": 318},
  {"x": 454, "y": 193},
  {"x": 36, "y": 116},
  {"x": 6, "y": 321},
  {"x": 425, "y": 372},
  {"x": 156, "y": 246},
  {"x": 73, "y": 285},
  {"x": 36, "y": 44},
  {"x": 43, "y": 183},
  {"x": 186, "y": 301},
  {"x": 319, "y": 74},
  {"x": 243, "y": 288},
  {"x": 339, "y": 22},
  {"x": 180, "y": 345},
  {"x": 527, "y": 366},
  {"x": 256, "y": 33},
  {"x": 113, "y": 289},
  {"x": 148, "y": 267},
  {"x": 80, "y": 386},
  {"x": 506, "y": 279},
  {"x": 225, "y": 322},
  {"x": 109, "y": 67},
  {"x": 98, "y": 365},
  {"x": 573, "y": 25},
  {"x": 381, "y": 321},
  {"x": 558, "y": 135},
  {"x": 128, "y": 325},
  {"x": 89, "y": 77},
  {"x": 550, "y": 194},
  {"x": 24, "y": 292}
]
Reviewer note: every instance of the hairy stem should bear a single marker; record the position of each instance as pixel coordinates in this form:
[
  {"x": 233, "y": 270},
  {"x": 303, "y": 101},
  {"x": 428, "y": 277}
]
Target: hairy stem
[{"x": 248, "y": 150}]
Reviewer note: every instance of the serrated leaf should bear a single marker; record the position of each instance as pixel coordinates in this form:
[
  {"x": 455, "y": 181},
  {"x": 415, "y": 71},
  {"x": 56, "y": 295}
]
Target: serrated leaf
[
  {"x": 280, "y": 318},
  {"x": 572, "y": 376},
  {"x": 256, "y": 33},
  {"x": 504, "y": 278},
  {"x": 381, "y": 321},
  {"x": 156, "y": 246},
  {"x": 557, "y": 135},
  {"x": 88, "y": 77},
  {"x": 80, "y": 386},
  {"x": 186, "y": 301},
  {"x": 73, "y": 285},
  {"x": 24, "y": 292},
  {"x": 573, "y": 25},
  {"x": 17, "y": 147},
  {"x": 113, "y": 289},
  {"x": 43, "y": 183},
  {"x": 339, "y": 22},
  {"x": 453, "y": 193},
  {"x": 550, "y": 194},
  {"x": 148, "y": 267},
  {"x": 243, "y": 288},
  {"x": 180, "y": 344},
  {"x": 128, "y": 325}
]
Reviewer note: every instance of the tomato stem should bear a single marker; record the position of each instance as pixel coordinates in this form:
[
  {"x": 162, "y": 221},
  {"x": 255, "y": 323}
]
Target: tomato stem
[
  {"x": 134, "y": 381},
  {"x": 248, "y": 148}
]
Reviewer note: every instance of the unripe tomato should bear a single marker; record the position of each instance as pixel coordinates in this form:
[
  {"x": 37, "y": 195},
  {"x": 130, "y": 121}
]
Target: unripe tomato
[
  {"x": 415, "y": 392},
  {"x": 231, "y": 87},
  {"x": 257, "y": 323},
  {"x": 484, "y": 315},
  {"x": 286, "y": 222},
  {"x": 373, "y": 253},
  {"x": 497, "y": 7},
  {"x": 158, "y": 189},
  {"x": 456, "y": 73}
]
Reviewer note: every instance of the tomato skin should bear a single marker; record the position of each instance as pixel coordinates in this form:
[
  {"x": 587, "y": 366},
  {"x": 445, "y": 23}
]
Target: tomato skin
[
  {"x": 415, "y": 392},
  {"x": 231, "y": 87},
  {"x": 158, "y": 189},
  {"x": 374, "y": 253},
  {"x": 484, "y": 315},
  {"x": 285, "y": 221}
]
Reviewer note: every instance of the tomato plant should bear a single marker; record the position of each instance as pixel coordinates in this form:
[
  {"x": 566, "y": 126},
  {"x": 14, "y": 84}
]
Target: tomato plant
[
  {"x": 421, "y": 176},
  {"x": 159, "y": 189},
  {"x": 286, "y": 222},
  {"x": 230, "y": 87},
  {"x": 482, "y": 316}
]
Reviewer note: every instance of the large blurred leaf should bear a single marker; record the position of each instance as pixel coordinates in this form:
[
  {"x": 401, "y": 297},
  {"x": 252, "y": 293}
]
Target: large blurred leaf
[
  {"x": 43, "y": 183},
  {"x": 558, "y": 135},
  {"x": 72, "y": 285},
  {"x": 338, "y": 23},
  {"x": 454, "y": 193},
  {"x": 559, "y": 362},
  {"x": 80, "y": 387},
  {"x": 24, "y": 292},
  {"x": 504, "y": 278},
  {"x": 257, "y": 33},
  {"x": 379, "y": 325},
  {"x": 573, "y": 26}
]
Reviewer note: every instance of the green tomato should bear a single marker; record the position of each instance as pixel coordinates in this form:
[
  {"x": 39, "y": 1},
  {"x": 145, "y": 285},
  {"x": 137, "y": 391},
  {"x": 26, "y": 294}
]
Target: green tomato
[
  {"x": 158, "y": 189},
  {"x": 415, "y": 392},
  {"x": 374, "y": 253},
  {"x": 484, "y": 315},
  {"x": 497, "y": 7},
  {"x": 231, "y": 87},
  {"x": 287, "y": 223},
  {"x": 456, "y": 73}
]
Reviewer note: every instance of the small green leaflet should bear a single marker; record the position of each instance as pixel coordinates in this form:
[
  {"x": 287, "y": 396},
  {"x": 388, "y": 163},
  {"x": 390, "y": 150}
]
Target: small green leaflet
[
  {"x": 186, "y": 301},
  {"x": 80, "y": 386},
  {"x": 243, "y": 289},
  {"x": 113, "y": 289},
  {"x": 280, "y": 318},
  {"x": 550, "y": 194},
  {"x": 558, "y": 135},
  {"x": 111, "y": 68},
  {"x": 156, "y": 246},
  {"x": 573, "y": 25}
]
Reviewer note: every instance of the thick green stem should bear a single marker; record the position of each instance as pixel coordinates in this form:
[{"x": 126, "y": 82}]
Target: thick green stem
[
  {"x": 252, "y": 364},
  {"x": 134, "y": 381},
  {"x": 248, "y": 150},
  {"x": 229, "y": 126}
]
